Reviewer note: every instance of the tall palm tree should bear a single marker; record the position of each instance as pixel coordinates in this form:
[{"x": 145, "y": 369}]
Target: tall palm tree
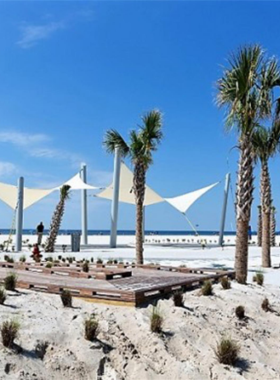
[
  {"x": 266, "y": 142},
  {"x": 259, "y": 225},
  {"x": 57, "y": 218},
  {"x": 142, "y": 143},
  {"x": 272, "y": 227},
  {"x": 245, "y": 89}
]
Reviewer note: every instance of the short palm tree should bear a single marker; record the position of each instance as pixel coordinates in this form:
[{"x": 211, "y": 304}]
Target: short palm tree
[
  {"x": 266, "y": 142},
  {"x": 57, "y": 218},
  {"x": 245, "y": 89},
  {"x": 142, "y": 144}
]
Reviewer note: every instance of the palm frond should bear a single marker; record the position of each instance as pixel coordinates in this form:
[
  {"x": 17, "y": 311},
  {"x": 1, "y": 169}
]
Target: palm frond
[
  {"x": 112, "y": 140},
  {"x": 65, "y": 192}
]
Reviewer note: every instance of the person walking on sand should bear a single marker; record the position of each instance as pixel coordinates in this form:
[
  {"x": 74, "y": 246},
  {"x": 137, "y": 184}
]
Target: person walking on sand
[{"x": 40, "y": 230}]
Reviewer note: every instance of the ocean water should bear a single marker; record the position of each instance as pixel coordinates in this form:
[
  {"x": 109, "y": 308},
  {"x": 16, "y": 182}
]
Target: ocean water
[{"x": 127, "y": 232}]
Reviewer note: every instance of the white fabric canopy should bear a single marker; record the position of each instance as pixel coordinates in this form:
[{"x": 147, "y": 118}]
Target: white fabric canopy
[
  {"x": 9, "y": 195},
  {"x": 77, "y": 183},
  {"x": 126, "y": 194},
  {"x": 184, "y": 202}
]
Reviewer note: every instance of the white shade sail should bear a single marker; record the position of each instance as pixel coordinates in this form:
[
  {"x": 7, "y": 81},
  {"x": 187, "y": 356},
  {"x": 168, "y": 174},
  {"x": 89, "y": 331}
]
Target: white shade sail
[
  {"x": 77, "y": 183},
  {"x": 126, "y": 194},
  {"x": 184, "y": 202},
  {"x": 9, "y": 195}
]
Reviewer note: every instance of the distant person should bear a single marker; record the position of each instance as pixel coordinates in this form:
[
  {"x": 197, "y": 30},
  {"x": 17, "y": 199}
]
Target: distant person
[
  {"x": 40, "y": 230},
  {"x": 249, "y": 233}
]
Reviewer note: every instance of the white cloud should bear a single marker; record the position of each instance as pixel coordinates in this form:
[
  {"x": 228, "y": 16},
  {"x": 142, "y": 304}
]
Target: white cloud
[
  {"x": 7, "y": 168},
  {"x": 23, "y": 139},
  {"x": 32, "y": 34}
]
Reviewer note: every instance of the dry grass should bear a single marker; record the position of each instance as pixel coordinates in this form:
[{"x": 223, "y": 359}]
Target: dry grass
[
  {"x": 10, "y": 281},
  {"x": 259, "y": 278},
  {"x": 9, "y": 332},
  {"x": 227, "y": 351},
  {"x": 66, "y": 298},
  {"x": 3, "y": 296},
  {"x": 91, "y": 328},
  {"x": 266, "y": 305},
  {"x": 207, "y": 289},
  {"x": 225, "y": 282},
  {"x": 178, "y": 299},
  {"x": 156, "y": 321}
]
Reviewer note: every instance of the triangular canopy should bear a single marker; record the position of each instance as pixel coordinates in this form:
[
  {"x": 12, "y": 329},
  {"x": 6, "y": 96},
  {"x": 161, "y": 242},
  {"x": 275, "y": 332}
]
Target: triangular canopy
[
  {"x": 126, "y": 194},
  {"x": 9, "y": 195},
  {"x": 184, "y": 202},
  {"x": 77, "y": 183}
]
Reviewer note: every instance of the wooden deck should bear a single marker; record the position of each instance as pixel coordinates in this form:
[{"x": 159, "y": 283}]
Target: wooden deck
[{"x": 125, "y": 284}]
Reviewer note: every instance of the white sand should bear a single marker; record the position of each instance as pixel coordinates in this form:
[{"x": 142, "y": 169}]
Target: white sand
[{"x": 184, "y": 351}]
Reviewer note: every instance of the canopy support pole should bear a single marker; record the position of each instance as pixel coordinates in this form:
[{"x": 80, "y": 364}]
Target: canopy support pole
[
  {"x": 224, "y": 211},
  {"x": 19, "y": 215},
  {"x": 83, "y": 175},
  {"x": 115, "y": 200}
]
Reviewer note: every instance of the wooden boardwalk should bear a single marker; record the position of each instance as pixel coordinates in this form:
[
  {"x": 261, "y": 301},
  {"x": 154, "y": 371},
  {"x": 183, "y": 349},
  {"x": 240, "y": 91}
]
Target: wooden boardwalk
[{"x": 132, "y": 285}]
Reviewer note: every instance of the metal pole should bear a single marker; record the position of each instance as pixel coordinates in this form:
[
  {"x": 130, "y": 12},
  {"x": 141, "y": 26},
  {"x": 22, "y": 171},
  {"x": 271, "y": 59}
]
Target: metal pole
[
  {"x": 224, "y": 211},
  {"x": 83, "y": 175},
  {"x": 19, "y": 215},
  {"x": 115, "y": 200}
]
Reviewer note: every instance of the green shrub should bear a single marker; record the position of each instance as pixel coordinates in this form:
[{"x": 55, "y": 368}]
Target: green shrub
[
  {"x": 22, "y": 259},
  {"x": 9, "y": 332},
  {"x": 91, "y": 328},
  {"x": 156, "y": 321},
  {"x": 225, "y": 282},
  {"x": 70, "y": 260},
  {"x": 8, "y": 259},
  {"x": 207, "y": 288},
  {"x": 10, "y": 281},
  {"x": 92, "y": 260},
  {"x": 227, "y": 351},
  {"x": 240, "y": 312},
  {"x": 178, "y": 299},
  {"x": 49, "y": 265},
  {"x": 50, "y": 259},
  {"x": 259, "y": 278},
  {"x": 85, "y": 267},
  {"x": 109, "y": 261},
  {"x": 66, "y": 298},
  {"x": 99, "y": 261},
  {"x": 3, "y": 296}
]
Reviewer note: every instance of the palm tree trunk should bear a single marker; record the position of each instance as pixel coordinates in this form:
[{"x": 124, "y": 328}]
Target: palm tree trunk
[
  {"x": 244, "y": 198},
  {"x": 266, "y": 208},
  {"x": 260, "y": 226},
  {"x": 139, "y": 182},
  {"x": 55, "y": 225},
  {"x": 272, "y": 227}
]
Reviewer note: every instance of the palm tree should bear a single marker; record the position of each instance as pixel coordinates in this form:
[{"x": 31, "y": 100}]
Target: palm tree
[
  {"x": 142, "y": 144},
  {"x": 272, "y": 227},
  {"x": 259, "y": 225},
  {"x": 245, "y": 89},
  {"x": 57, "y": 218},
  {"x": 266, "y": 142}
]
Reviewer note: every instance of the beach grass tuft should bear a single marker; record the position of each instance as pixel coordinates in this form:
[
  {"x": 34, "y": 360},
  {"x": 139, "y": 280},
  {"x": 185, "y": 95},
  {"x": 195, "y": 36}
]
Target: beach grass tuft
[
  {"x": 9, "y": 332},
  {"x": 240, "y": 312},
  {"x": 207, "y": 288},
  {"x": 156, "y": 320},
  {"x": 225, "y": 282},
  {"x": 66, "y": 298},
  {"x": 266, "y": 305},
  {"x": 85, "y": 267},
  {"x": 91, "y": 328},
  {"x": 178, "y": 299},
  {"x": 227, "y": 351},
  {"x": 3, "y": 296},
  {"x": 10, "y": 281}
]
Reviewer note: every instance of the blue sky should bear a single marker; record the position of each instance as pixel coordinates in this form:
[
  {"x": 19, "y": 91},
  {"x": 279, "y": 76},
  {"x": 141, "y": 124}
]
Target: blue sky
[{"x": 71, "y": 70}]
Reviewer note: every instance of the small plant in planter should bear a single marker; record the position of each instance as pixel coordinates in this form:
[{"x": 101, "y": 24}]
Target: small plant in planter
[
  {"x": 109, "y": 261},
  {"x": 70, "y": 260},
  {"x": 50, "y": 259},
  {"x": 10, "y": 281},
  {"x": 22, "y": 259},
  {"x": 227, "y": 351},
  {"x": 259, "y": 278},
  {"x": 3, "y": 296},
  {"x": 91, "y": 328},
  {"x": 115, "y": 261},
  {"x": 85, "y": 267},
  {"x": 66, "y": 298},
  {"x": 225, "y": 282},
  {"x": 156, "y": 321},
  {"x": 9, "y": 332},
  {"x": 99, "y": 261},
  {"x": 92, "y": 260},
  {"x": 207, "y": 289},
  {"x": 240, "y": 312},
  {"x": 63, "y": 259},
  {"x": 30, "y": 246},
  {"x": 178, "y": 299},
  {"x": 59, "y": 257},
  {"x": 49, "y": 265}
]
